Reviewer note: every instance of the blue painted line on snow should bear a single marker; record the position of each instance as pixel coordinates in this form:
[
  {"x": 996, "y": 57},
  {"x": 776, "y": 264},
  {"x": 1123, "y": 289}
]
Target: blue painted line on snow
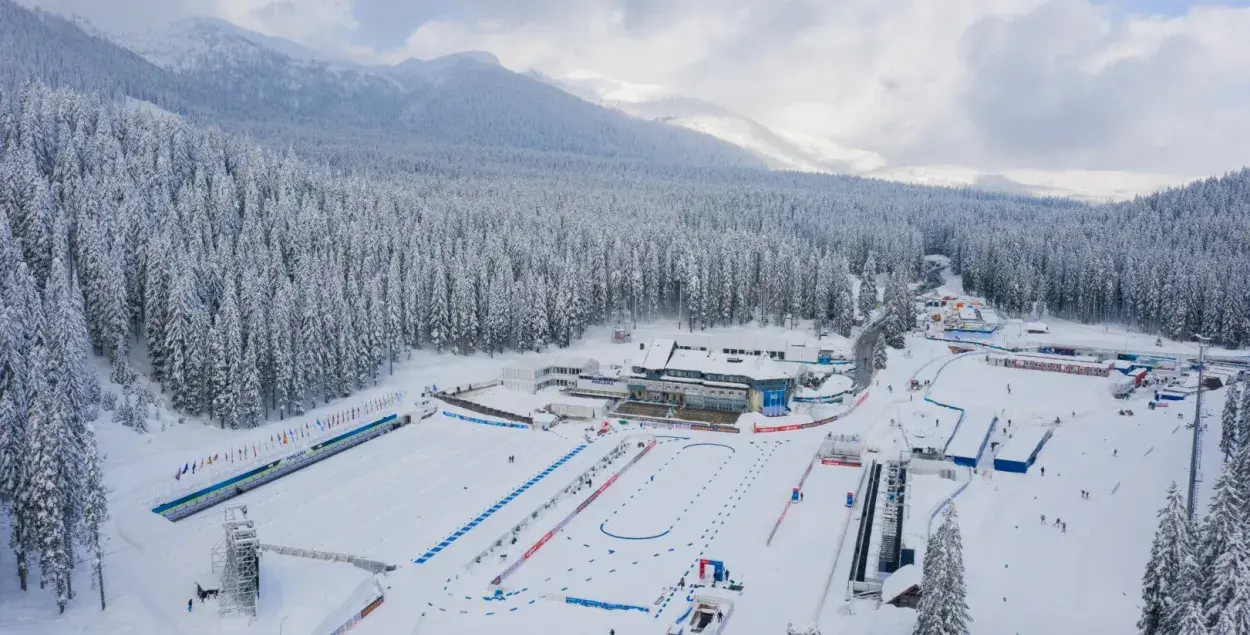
[{"x": 497, "y": 506}]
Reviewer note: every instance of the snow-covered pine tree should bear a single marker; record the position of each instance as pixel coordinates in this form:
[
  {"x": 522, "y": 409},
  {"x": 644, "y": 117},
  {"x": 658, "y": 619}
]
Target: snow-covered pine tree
[
  {"x": 867, "y": 298},
  {"x": 1159, "y": 582},
  {"x": 94, "y": 509},
  {"x": 931, "y": 597},
  {"x": 953, "y": 616},
  {"x": 439, "y": 316},
  {"x": 225, "y": 368},
  {"x": 1243, "y": 421},
  {"x": 1221, "y": 531},
  {"x": 1228, "y": 607},
  {"x": 251, "y": 406},
  {"x": 500, "y": 320},
  {"x": 43, "y": 497},
  {"x": 1191, "y": 592},
  {"x": 1230, "y": 433},
  {"x": 879, "y": 355}
]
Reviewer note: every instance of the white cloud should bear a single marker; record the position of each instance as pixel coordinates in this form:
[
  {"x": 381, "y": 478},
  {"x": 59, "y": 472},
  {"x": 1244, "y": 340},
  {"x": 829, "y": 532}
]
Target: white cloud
[
  {"x": 993, "y": 84},
  {"x": 1066, "y": 86}
]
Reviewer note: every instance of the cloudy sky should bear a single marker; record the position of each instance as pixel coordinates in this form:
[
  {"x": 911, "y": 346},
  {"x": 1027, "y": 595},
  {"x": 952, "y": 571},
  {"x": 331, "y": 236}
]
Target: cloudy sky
[{"x": 1143, "y": 87}]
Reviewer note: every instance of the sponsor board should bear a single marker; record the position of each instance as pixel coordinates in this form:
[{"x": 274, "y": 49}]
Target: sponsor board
[
  {"x": 350, "y": 624},
  {"x": 847, "y": 462},
  {"x": 485, "y": 422}
]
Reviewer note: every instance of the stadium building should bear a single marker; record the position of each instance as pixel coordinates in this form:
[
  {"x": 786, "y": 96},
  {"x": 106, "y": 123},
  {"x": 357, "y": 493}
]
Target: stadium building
[{"x": 663, "y": 373}]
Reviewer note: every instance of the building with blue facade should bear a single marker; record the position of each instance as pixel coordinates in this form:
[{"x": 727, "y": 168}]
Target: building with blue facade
[{"x": 666, "y": 374}]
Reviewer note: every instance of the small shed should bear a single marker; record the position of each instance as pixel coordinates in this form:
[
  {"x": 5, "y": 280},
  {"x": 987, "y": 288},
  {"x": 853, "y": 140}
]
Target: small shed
[
  {"x": 543, "y": 420},
  {"x": 1036, "y": 327},
  {"x": 902, "y": 588}
]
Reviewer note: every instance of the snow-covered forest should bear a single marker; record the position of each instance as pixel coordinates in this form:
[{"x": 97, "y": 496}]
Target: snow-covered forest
[{"x": 1176, "y": 263}]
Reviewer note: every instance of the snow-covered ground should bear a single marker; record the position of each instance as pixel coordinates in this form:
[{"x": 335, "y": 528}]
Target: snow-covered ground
[{"x": 694, "y": 495}]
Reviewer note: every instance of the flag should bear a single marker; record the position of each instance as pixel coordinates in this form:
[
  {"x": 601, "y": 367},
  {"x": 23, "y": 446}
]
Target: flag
[
  {"x": 216, "y": 457},
  {"x": 177, "y": 475},
  {"x": 185, "y": 467}
]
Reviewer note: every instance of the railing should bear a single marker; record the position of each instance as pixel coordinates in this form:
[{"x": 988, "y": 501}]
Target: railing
[
  {"x": 372, "y": 566},
  {"x": 486, "y": 410}
]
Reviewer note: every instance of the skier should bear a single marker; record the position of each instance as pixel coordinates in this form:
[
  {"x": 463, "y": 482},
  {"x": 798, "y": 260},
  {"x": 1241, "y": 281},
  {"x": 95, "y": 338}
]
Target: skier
[
  {"x": 681, "y": 584},
  {"x": 1063, "y": 528},
  {"x": 1043, "y": 471},
  {"x": 1043, "y": 519},
  {"x": 1009, "y": 389},
  {"x": 1115, "y": 452},
  {"x": 1058, "y": 522},
  {"x": 800, "y": 497},
  {"x": 188, "y": 605}
]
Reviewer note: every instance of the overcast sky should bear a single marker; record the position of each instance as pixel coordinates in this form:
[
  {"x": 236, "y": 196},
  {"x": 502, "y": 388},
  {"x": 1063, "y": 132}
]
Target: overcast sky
[{"x": 1142, "y": 86}]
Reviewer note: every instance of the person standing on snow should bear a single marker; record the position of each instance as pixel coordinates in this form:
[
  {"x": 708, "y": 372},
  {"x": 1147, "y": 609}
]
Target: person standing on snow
[{"x": 188, "y": 605}]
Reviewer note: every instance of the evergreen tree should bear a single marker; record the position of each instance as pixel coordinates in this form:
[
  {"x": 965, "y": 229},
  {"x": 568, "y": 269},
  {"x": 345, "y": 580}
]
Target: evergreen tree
[
  {"x": 94, "y": 510},
  {"x": 44, "y": 497},
  {"x": 1230, "y": 434},
  {"x": 225, "y": 368},
  {"x": 879, "y": 356},
  {"x": 251, "y": 408},
  {"x": 954, "y": 616},
  {"x": 1243, "y": 427},
  {"x": 1159, "y": 584},
  {"x": 867, "y": 298}
]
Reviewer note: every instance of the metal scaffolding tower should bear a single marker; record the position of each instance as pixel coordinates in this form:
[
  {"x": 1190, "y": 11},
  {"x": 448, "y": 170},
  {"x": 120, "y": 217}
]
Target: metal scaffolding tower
[
  {"x": 236, "y": 561},
  {"x": 1195, "y": 452}
]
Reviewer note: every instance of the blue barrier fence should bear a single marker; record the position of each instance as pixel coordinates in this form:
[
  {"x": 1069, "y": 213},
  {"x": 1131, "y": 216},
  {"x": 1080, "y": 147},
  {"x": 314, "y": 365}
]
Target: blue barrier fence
[
  {"x": 607, "y": 606},
  {"x": 211, "y": 495},
  {"x": 497, "y": 506},
  {"x": 485, "y": 422}
]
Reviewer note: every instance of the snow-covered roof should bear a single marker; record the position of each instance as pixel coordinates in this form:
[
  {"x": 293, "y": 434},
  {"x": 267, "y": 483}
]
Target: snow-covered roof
[
  {"x": 968, "y": 439},
  {"x": 572, "y": 362},
  {"x": 655, "y": 356},
  {"x": 903, "y": 578},
  {"x": 967, "y": 313},
  {"x": 1075, "y": 360},
  {"x": 528, "y": 363},
  {"x": 795, "y": 342},
  {"x": 1023, "y": 441},
  {"x": 990, "y": 316},
  {"x": 758, "y": 368},
  {"x": 1037, "y": 326}
]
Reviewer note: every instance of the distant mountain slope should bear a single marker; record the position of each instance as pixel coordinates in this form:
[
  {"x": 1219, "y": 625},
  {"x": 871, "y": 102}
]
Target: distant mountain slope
[
  {"x": 283, "y": 93},
  {"x": 39, "y": 45},
  {"x": 464, "y": 99},
  {"x": 778, "y": 149}
]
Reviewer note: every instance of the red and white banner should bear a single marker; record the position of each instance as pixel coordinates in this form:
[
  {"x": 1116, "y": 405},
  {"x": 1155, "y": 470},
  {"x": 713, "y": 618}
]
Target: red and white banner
[{"x": 559, "y": 526}]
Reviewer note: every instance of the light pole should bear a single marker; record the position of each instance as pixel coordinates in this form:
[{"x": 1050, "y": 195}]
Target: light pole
[
  {"x": 282, "y": 623},
  {"x": 1195, "y": 451}
]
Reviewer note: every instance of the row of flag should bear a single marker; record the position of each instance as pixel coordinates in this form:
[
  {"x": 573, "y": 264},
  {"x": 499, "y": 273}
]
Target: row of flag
[{"x": 289, "y": 436}]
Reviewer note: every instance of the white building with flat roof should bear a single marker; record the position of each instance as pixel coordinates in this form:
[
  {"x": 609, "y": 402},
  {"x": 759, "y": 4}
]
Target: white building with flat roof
[{"x": 534, "y": 374}]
